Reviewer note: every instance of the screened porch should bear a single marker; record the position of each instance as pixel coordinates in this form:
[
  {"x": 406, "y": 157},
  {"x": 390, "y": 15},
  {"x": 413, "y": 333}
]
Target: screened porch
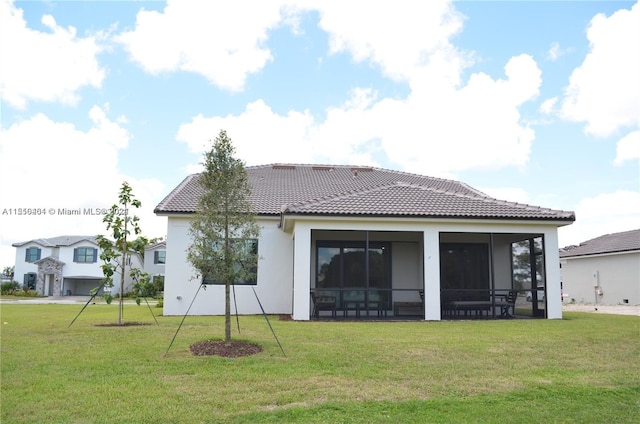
[{"x": 380, "y": 275}]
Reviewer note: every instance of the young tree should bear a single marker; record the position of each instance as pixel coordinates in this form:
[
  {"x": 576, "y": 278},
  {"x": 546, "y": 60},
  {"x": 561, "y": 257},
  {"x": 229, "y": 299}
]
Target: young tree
[
  {"x": 116, "y": 252},
  {"x": 224, "y": 228}
]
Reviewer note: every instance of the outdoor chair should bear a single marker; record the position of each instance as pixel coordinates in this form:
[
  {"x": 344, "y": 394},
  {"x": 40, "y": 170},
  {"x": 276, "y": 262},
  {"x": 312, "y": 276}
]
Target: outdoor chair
[
  {"x": 323, "y": 303},
  {"x": 509, "y": 304}
]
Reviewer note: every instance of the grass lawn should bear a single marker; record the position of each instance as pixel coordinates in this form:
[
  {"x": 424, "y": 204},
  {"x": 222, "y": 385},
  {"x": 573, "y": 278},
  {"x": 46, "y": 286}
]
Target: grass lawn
[{"x": 582, "y": 369}]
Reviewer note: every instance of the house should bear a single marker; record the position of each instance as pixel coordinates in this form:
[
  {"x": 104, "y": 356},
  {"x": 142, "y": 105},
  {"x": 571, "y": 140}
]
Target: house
[
  {"x": 63, "y": 266},
  {"x": 154, "y": 260},
  {"x": 375, "y": 242},
  {"x": 604, "y": 270}
]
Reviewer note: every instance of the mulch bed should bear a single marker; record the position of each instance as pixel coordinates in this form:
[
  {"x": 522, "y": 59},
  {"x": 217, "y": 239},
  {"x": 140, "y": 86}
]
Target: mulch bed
[
  {"x": 124, "y": 324},
  {"x": 227, "y": 350}
]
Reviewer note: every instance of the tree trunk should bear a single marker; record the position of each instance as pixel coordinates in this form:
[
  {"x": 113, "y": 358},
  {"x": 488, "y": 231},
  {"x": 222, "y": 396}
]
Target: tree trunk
[
  {"x": 122, "y": 271},
  {"x": 123, "y": 268},
  {"x": 227, "y": 283},
  {"x": 227, "y": 313}
]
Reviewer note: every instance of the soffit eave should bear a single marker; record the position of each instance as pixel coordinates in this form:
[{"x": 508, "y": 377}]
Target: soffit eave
[{"x": 287, "y": 220}]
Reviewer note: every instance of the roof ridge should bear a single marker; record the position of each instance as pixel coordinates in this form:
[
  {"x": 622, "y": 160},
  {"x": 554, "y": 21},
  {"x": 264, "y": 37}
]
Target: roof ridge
[
  {"x": 341, "y": 195},
  {"x": 373, "y": 167}
]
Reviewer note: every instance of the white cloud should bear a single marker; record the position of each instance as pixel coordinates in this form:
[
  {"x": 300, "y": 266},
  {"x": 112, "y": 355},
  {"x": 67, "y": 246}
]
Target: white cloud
[
  {"x": 44, "y": 66},
  {"x": 511, "y": 194},
  {"x": 223, "y": 41},
  {"x": 603, "y": 214},
  {"x": 52, "y": 165},
  {"x": 628, "y": 148},
  {"x": 422, "y": 133},
  {"x": 547, "y": 107},
  {"x": 555, "y": 52},
  {"x": 400, "y": 38},
  {"x": 604, "y": 92},
  {"x": 258, "y": 134}
]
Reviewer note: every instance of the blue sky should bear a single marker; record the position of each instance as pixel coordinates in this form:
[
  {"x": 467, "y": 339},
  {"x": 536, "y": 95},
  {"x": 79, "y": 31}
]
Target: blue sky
[{"x": 534, "y": 102}]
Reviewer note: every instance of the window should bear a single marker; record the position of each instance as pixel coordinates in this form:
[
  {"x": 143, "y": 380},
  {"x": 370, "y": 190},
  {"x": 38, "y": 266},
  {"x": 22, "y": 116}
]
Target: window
[
  {"x": 32, "y": 254},
  {"x": 29, "y": 280},
  {"x": 343, "y": 265},
  {"x": 85, "y": 254},
  {"x": 159, "y": 256},
  {"x": 247, "y": 252},
  {"x": 158, "y": 282}
]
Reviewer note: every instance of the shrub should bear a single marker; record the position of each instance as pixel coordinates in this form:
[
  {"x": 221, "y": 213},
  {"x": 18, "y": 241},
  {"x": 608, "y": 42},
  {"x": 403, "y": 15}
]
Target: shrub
[
  {"x": 9, "y": 287},
  {"x": 29, "y": 293}
]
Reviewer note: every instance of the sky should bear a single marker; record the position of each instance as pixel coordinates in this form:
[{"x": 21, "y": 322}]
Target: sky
[{"x": 535, "y": 102}]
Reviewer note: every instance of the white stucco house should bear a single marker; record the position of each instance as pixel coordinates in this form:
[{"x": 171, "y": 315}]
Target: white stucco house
[
  {"x": 604, "y": 270},
  {"x": 155, "y": 256},
  {"x": 63, "y": 266},
  {"x": 373, "y": 243}
]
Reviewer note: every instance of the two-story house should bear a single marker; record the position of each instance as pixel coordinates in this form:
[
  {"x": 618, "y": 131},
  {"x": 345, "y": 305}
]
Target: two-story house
[{"x": 63, "y": 266}]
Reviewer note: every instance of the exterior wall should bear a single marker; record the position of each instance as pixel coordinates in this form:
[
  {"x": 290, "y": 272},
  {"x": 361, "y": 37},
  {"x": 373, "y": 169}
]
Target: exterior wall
[
  {"x": 274, "y": 283},
  {"x": 406, "y": 270},
  {"x": 21, "y": 267},
  {"x": 149, "y": 266},
  {"x": 618, "y": 278},
  {"x": 72, "y": 268}
]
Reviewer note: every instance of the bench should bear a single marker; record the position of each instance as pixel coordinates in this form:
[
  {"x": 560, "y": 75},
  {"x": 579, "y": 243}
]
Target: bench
[{"x": 415, "y": 308}]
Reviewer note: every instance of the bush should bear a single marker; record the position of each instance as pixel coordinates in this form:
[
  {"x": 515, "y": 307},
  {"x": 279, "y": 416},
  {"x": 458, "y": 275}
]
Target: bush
[
  {"x": 9, "y": 288},
  {"x": 28, "y": 293},
  {"x": 160, "y": 303}
]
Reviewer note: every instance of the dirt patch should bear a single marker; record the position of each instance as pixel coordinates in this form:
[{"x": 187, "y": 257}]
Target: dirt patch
[{"x": 227, "y": 350}]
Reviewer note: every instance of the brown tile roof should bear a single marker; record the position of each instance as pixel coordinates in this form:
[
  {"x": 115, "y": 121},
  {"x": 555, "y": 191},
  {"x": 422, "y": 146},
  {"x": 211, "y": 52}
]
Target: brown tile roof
[
  {"x": 351, "y": 191},
  {"x": 609, "y": 243}
]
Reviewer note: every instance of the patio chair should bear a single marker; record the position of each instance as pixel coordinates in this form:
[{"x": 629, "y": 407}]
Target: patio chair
[
  {"x": 509, "y": 304},
  {"x": 323, "y": 303}
]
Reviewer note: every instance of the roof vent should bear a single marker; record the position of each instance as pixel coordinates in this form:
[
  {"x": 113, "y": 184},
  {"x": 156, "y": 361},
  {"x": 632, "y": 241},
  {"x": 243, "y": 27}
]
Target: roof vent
[
  {"x": 322, "y": 168},
  {"x": 283, "y": 167}
]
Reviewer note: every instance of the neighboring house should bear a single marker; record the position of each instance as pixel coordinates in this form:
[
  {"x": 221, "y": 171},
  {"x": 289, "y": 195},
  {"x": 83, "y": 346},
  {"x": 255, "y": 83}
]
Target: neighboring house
[
  {"x": 392, "y": 239},
  {"x": 604, "y": 270},
  {"x": 63, "y": 266},
  {"x": 155, "y": 257}
]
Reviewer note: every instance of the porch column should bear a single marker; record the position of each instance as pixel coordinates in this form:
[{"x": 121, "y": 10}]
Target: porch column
[
  {"x": 431, "y": 263},
  {"x": 301, "y": 271},
  {"x": 552, "y": 269}
]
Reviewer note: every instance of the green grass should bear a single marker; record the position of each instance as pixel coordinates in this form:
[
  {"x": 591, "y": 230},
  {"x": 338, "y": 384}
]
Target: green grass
[{"x": 582, "y": 369}]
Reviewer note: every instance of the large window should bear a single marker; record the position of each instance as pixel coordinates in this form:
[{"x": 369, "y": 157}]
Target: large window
[
  {"x": 342, "y": 264},
  {"x": 32, "y": 254},
  {"x": 85, "y": 254},
  {"x": 464, "y": 270},
  {"x": 247, "y": 250},
  {"x": 160, "y": 257}
]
